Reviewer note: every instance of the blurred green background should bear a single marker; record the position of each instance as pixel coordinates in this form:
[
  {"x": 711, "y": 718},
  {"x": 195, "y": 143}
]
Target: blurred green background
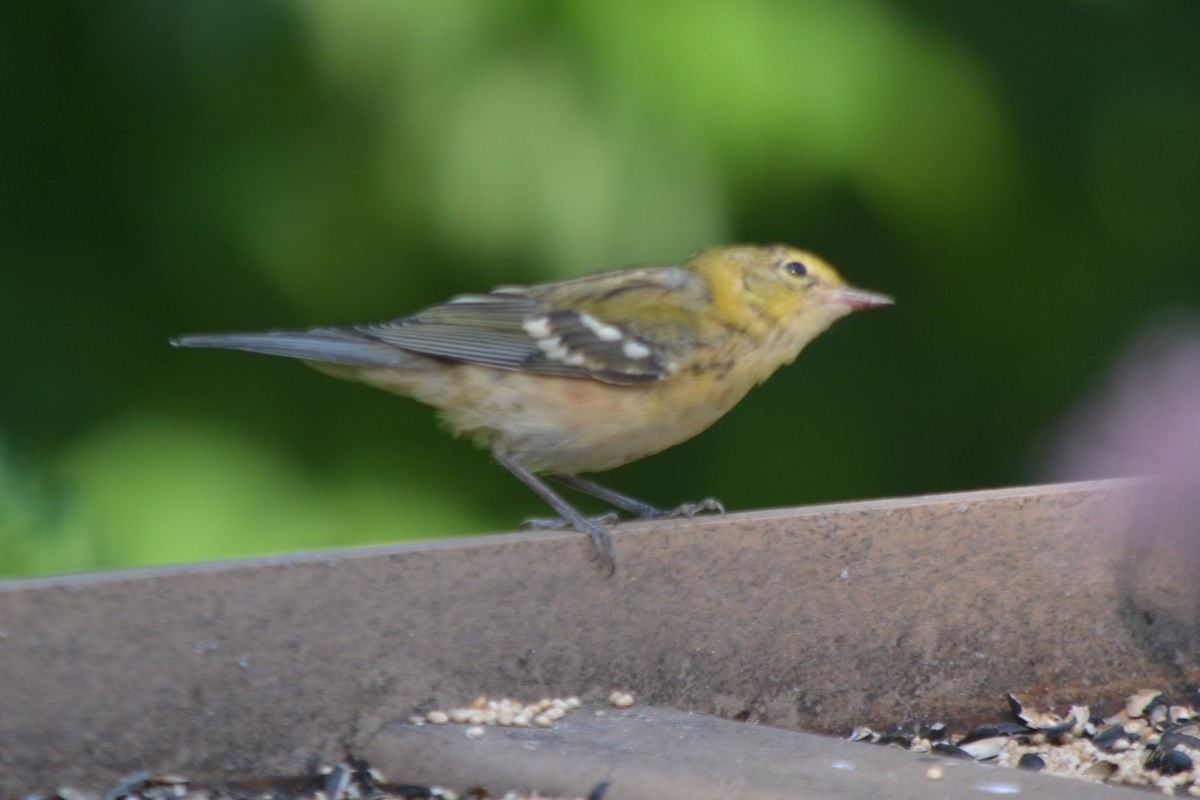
[{"x": 1023, "y": 176}]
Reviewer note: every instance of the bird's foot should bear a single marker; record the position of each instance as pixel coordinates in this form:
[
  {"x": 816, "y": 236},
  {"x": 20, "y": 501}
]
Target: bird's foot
[
  {"x": 607, "y": 519},
  {"x": 688, "y": 510},
  {"x": 595, "y": 527}
]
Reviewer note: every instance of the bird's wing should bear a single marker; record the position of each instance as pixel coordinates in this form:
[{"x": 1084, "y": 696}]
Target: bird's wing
[{"x": 630, "y": 326}]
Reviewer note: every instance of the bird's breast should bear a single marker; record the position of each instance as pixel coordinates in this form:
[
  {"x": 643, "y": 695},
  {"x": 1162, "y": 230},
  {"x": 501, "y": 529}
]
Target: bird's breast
[{"x": 571, "y": 425}]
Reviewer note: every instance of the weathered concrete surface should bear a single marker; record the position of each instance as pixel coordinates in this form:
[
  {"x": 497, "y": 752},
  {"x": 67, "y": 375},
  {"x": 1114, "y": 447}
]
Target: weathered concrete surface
[
  {"x": 815, "y": 618},
  {"x": 672, "y": 755}
]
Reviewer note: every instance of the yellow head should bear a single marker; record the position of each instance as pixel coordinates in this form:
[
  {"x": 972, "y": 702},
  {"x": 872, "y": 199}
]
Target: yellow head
[{"x": 779, "y": 288}]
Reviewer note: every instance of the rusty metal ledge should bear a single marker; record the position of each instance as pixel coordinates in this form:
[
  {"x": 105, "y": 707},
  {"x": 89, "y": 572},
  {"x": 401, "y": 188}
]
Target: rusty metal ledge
[{"x": 814, "y": 618}]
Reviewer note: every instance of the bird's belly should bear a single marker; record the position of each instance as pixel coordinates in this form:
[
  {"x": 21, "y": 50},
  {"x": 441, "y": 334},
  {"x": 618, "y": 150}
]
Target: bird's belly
[{"x": 569, "y": 425}]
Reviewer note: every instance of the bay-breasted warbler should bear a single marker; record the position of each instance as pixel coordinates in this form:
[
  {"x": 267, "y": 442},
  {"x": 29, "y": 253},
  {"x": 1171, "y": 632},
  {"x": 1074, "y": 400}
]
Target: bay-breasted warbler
[{"x": 587, "y": 374}]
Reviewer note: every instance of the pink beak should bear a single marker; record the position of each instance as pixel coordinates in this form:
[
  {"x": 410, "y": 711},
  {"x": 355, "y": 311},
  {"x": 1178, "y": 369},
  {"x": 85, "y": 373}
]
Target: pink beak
[{"x": 859, "y": 299}]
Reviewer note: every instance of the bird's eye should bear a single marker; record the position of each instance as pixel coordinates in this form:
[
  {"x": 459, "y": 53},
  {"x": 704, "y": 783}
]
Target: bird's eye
[{"x": 796, "y": 269}]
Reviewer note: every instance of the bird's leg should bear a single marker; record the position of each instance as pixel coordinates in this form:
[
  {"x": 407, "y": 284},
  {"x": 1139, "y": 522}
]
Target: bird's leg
[
  {"x": 621, "y": 501},
  {"x": 635, "y": 506},
  {"x": 600, "y": 537}
]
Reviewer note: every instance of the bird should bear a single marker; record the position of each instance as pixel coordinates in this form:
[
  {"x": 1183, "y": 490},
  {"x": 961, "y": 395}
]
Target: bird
[{"x": 586, "y": 374}]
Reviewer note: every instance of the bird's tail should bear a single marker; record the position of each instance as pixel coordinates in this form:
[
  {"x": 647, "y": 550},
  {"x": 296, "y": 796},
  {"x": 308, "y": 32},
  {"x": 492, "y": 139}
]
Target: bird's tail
[{"x": 328, "y": 345}]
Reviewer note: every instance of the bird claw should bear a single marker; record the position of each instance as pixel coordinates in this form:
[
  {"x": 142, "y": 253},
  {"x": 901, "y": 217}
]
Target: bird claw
[
  {"x": 602, "y": 541},
  {"x": 608, "y": 519},
  {"x": 690, "y": 510},
  {"x": 595, "y": 527}
]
